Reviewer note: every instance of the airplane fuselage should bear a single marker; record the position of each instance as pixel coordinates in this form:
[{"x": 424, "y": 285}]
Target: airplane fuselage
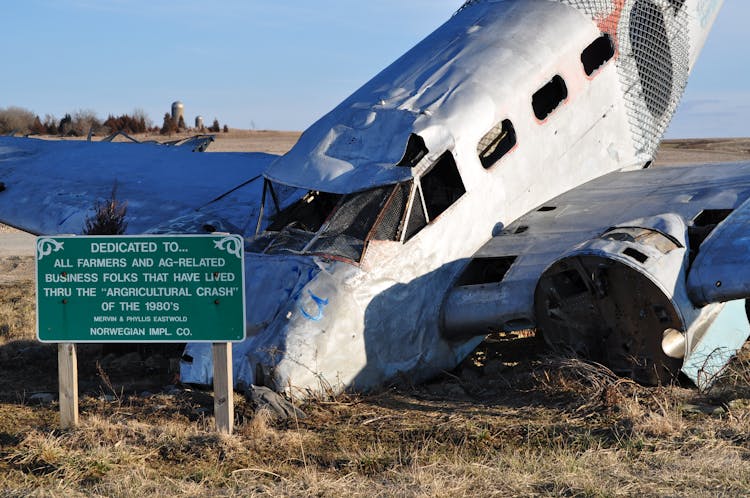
[{"x": 521, "y": 101}]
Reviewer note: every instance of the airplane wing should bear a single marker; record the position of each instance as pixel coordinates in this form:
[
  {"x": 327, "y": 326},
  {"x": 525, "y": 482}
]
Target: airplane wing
[
  {"x": 53, "y": 186},
  {"x": 630, "y": 269}
]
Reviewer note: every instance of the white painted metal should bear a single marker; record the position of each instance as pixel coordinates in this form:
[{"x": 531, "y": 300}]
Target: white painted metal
[
  {"x": 382, "y": 319},
  {"x": 315, "y": 321}
]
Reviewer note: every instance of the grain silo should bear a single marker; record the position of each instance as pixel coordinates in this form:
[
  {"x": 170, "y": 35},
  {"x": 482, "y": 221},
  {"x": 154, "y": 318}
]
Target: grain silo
[
  {"x": 178, "y": 111},
  {"x": 199, "y": 122}
]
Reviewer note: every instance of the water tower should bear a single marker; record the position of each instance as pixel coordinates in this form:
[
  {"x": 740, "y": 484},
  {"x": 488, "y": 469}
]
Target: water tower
[{"x": 178, "y": 111}]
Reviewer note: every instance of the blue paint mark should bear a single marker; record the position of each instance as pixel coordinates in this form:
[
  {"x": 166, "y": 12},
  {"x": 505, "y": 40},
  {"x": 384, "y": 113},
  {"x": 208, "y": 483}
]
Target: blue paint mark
[
  {"x": 322, "y": 303},
  {"x": 65, "y": 219}
]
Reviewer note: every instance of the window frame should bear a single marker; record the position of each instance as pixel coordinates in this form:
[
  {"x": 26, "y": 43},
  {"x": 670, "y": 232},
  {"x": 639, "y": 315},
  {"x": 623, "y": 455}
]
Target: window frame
[
  {"x": 598, "y": 69},
  {"x": 497, "y": 141},
  {"x": 562, "y": 97}
]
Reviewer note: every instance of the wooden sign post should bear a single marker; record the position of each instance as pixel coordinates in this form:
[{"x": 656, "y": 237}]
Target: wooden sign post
[
  {"x": 223, "y": 387},
  {"x": 67, "y": 367},
  {"x": 142, "y": 289}
]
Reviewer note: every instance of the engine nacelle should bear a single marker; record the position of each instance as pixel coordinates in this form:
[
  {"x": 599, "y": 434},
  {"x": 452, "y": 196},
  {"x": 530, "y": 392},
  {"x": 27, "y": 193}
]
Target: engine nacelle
[
  {"x": 616, "y": 298},
  {"x": 621, "y": 300}
]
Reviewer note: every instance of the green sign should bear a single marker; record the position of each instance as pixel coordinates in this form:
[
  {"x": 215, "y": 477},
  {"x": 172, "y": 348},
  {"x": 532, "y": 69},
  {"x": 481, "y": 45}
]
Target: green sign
[{"x": 175, "y": 288}]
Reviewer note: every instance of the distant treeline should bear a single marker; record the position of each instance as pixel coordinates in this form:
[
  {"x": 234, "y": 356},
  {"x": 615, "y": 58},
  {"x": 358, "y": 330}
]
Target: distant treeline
[{"x": 83, "y": 122}]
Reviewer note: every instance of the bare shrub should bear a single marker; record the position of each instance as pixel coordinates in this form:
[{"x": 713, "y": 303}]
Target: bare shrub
[
  {"x": 85, "y": 120},
  {"x": 16, "y": 119},
  {"x": 140, "y": 116},
  {"x": 17, "y": 312},
  {"x": 109, "y": 217}
]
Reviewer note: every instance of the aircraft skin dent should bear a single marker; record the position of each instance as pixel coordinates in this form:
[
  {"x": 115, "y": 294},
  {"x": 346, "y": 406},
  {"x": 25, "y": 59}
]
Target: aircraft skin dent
[
  {"x": 383, "y": 318},
  {"x": 489, "y": 179}
]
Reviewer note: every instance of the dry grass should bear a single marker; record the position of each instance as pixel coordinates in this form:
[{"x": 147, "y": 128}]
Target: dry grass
[
  {"x": 501, "y": 452},
  {"x": 550, "y": 426},
  {"x": 507, "y": 423},
  {"x": 17, "y": 311}
]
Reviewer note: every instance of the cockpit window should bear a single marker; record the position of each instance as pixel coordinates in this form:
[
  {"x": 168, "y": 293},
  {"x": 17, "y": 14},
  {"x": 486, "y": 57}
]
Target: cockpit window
[
  {"x": 442, "y": 186},
  {"x": 346, "y": 232},
  {"x": 336, "y": 225},
  {"x": 391, "y": 221},
  {"x": 417, "y": 217},
  {"x": 415, "y": 151},
  {"x": 307, "y": 214}
]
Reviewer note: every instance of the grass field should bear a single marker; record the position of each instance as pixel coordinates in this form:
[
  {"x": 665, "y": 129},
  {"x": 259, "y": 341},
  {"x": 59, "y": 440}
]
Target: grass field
[{"x": 511, "y": 421}]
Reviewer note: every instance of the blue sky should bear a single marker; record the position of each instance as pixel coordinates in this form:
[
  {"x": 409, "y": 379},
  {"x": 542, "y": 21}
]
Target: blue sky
[{"x": 273, "y": 64}]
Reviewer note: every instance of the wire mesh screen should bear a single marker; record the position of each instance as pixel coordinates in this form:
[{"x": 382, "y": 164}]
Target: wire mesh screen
[
  {"x": 653, "y": 47},
  {"x": 288, "y": 240},
  {"x": 389, "y": 225},
  {"x": 347, "y": 230}
]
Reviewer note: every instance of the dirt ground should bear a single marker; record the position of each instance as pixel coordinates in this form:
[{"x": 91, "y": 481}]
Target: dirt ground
[
  {"x": 700, "y": 151},
  {"x": 269, "y": 141},
  {"x": 510, "y": 421}
]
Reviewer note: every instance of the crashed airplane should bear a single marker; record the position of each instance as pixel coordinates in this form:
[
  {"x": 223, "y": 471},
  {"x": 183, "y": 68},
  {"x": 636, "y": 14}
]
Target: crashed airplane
[{"x": 494, "y": 178}]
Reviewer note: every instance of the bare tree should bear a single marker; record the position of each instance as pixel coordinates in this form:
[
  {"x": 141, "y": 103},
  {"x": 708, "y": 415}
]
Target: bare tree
[
  {"x": 38, "y": 128},
  {"x": 16, "y": 119},
  {"x": 141, "y": 116},
  {"x": 85, "y": 120}
]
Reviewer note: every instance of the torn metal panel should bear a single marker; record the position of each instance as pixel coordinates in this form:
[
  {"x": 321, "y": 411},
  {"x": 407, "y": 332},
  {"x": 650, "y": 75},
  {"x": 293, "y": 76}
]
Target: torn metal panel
[
  {"x": 114, "y": 135},
  {"x": 453, "y": 85},
  {"x": 613, "y": 288},
  {"x": 196, "y": 143},
  {"x": 721, "y": 270},
  {"x": 365, "y": 225},
  {"x": 478, "y": 70},
  {"x": 52, "y": 186},
  {"x": 715, "y": 339}
]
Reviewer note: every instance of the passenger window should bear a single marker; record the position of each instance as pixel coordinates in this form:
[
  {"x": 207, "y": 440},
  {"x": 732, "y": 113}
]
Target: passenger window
[
  {"x": 597, "y": 54},
  {"x": 549, "y": 97},
  {"x": 442, "y": 186},
  {"x": 496, "y": 143}
]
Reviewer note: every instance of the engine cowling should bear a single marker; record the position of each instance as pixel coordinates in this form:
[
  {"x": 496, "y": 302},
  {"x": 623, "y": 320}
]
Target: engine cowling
[{"x": 620, "y": 300}]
